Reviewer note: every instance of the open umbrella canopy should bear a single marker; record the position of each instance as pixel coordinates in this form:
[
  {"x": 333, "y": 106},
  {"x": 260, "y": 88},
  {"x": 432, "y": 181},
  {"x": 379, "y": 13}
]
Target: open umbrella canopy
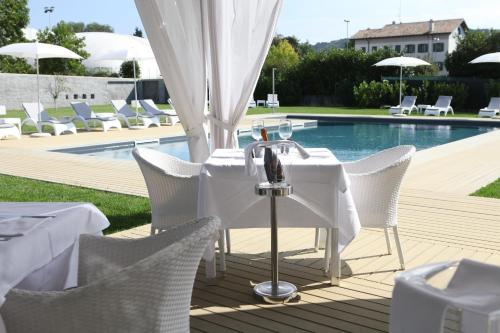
[
  {"x": 490, "y": 57},
  {"x": 402, "y": 62},
  {"x": 37, "y": 51}
]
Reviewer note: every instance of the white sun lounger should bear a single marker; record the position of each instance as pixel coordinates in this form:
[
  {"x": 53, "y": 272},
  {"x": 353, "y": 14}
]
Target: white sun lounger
[
  {"x": 85, "y": 114},
  {"x": 406, "y": 106},
  {"x": 59, "y": 125},
  {"x": 443, "y": 105},
  {"x": 123, "y": 112},
  {"x": 150, "y": 107},
  {"x": 9, "y": 130},
  {"x": 492, "y": 110}
]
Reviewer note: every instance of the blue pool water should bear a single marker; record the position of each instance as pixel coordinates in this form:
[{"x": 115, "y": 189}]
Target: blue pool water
[{"x": 348, "y": 140}]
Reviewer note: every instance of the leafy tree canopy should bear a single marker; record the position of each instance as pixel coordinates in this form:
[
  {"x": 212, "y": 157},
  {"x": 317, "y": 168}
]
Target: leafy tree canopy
[
  {"x": 138, "y": 32},
  {"x": 14, "y": 16},
  {"x": 63, "y": 35},
  {"x": 281, "y": 56},
  {"x": 127, "y": 69},
  {"x": 91, "y": 27}
]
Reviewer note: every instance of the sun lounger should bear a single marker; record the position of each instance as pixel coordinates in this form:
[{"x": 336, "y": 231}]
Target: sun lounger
[
  {"x": 443, "y": 105},
  {"x": 9, "y": 130},
  {"x": 492, "y": 109},
  {"x": 123, "y": 112},
  {"x": 150, "y": 107},
  {"x": 406, "y": 106},
  {"x": 59, "y": 125},
  {"x": 272, "y": 101},
  {"x": 85, "y": 114}
]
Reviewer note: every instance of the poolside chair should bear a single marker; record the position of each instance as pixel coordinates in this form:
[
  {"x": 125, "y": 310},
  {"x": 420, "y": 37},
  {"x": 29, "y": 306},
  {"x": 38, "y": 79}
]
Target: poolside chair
[
  {"x": 492, "y": 109},
  {"x": 85, "y": 114},
  {"x": 150, "y": 107},
  {"x": 9, "y": 130},
  {"x": 124, "y": 285},
  {"x": 375, "y": 183},
  {"x": 123, "y": 112},
  {"x": 443, "y": 105},
  {"x": 58, "y": 125},
  {"x": 251, "y": 103},
  {"x": 272, "y": 101},
  {"x": 406, "y": 106}
]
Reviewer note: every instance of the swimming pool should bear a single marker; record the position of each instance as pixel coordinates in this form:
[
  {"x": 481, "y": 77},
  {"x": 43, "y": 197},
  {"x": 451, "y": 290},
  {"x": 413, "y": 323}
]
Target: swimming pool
[{"x": 347, "y": 140}]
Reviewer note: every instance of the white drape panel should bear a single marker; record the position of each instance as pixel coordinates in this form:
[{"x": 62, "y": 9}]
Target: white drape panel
[
  {"x": 175, "y": 30},
  {"x": 240, "y": 33}
]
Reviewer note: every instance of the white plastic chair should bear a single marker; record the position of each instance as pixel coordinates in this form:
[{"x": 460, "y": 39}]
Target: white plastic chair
[
  {"x": 150, "y": 107},
  {"x": 173, "y": 190},
  {"x": 407, "y": 105},
  {"x": 443, "y": 105},
  {"x": 251, "y": 103},
  {"x": 492, "y": 110},
  {"x": 85, "y": 114},
  {"x": 59, "y": 125},
  {"x": 272, "y": 101},
  {"x": 375, "y": 184},
  {"x": 123, "y": 112},
  {"x": 9, "y": 130},
  {"x": 125, "y": 285}
]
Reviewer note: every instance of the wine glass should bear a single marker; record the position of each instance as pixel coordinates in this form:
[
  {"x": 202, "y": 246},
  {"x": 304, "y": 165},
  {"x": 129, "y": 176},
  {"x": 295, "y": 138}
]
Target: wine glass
[
  {"x": 285, "y": 129},
  {"x": 257, "y": 126}
]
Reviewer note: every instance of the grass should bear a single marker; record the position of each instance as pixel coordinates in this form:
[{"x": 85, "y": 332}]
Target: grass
[
  {"x": 489, "y": 191},
  {"x": 123, "y": 211}
]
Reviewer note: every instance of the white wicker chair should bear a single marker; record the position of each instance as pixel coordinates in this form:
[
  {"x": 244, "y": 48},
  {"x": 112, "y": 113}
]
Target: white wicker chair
[
  {"x": 125, "y": 285},
  {"x": 375, "y": 183},
  {"x": 173, "y": 190}
]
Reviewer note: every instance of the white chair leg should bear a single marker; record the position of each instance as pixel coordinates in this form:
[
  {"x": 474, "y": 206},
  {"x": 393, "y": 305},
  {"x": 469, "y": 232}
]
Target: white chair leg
[
  {"x": 153, "y": 230},
  {"x": 316, "y": 240},
  {"x": 335, "y": 258},
  {"x": 388, "y": 241},
  {"x": 398, "y": 246},
  {"x": 228, "y": 241},
  {"x": 210, "y": 271},
  {"x": 222, "y": 264},
  {"x": 326, "y": 267}
]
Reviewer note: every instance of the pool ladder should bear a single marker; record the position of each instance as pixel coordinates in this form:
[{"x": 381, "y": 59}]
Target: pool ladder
[{"x": 147, "y": 141}]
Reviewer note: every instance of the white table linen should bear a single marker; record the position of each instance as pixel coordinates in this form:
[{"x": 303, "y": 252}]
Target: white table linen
[
  {"x": 321, "y": 196},
  {"x": 49, "y": 247}
]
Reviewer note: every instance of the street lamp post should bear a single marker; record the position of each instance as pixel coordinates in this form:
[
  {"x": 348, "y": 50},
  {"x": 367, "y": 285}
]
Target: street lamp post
[
  {"x": 274, "y": 96},
  {"x": 347, "y": 34},
  {"x": 48, "y": 10}
]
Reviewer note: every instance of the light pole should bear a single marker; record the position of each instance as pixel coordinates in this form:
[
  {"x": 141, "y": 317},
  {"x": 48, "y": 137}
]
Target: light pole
[
  {"x": 274, "y": 96},
  {"x": 347, "y": 35},
  {"x": 48, "y": 10}
]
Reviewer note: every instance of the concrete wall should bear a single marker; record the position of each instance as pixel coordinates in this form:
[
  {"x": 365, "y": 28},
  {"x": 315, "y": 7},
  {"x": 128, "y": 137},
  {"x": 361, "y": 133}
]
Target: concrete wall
[{"x": 19, "y": 88}]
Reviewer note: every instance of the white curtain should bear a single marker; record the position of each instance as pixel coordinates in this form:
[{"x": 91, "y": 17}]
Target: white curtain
[
  {"x": 176, "y": 33},
  {"x": 240, "y": 33}
]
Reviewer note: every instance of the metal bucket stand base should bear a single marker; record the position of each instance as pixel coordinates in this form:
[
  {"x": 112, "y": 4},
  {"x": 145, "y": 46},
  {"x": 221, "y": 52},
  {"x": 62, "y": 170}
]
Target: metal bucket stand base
[{"x": 286, "y": 291}]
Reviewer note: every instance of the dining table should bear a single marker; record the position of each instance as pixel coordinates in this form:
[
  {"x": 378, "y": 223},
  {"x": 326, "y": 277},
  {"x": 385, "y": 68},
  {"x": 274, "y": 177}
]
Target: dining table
[
  {"x": 321, "y": 197},
  {"x": 39, "y": 243}
]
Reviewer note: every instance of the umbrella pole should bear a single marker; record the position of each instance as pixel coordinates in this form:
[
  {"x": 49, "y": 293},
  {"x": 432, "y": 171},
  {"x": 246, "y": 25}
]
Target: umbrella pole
[
  {"x": 135, "y": 93},
  {"x": 400, "y": 82},
  {"x": 38, "y": 91}
]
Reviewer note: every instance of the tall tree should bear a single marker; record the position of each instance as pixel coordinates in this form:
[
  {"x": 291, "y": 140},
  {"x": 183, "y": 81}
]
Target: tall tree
[
  {"x": 138, "y": 32},
  {"x": 77, "y": 26},
  {"x": 62, "y": 34},
  {"x": 14, "y": 16},
  {"x": 97, "y": 27},
  {"x": 127, "y": 69}
]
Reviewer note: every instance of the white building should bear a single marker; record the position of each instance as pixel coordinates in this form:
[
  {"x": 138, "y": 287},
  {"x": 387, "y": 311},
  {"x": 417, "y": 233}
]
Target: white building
[{"x": 428, "y": 40}]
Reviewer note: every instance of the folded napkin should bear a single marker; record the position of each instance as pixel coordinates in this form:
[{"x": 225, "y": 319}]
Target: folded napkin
[
  {"x": 255, "y": 147},
  {"x": 19, "y": 225}
]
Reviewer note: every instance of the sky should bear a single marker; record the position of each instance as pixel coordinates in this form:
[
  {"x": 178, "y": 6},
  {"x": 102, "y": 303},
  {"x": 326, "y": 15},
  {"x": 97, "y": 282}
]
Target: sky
[{"x": 309, "y": 20}]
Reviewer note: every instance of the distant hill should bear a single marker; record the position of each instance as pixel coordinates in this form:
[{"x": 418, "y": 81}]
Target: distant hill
[{"x": 337, "y": 44}]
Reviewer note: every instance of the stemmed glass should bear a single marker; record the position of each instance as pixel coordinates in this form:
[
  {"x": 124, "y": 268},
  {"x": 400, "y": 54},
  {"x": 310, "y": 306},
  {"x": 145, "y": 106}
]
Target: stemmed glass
[
  {"x": 285, "y": 132},
  {"x": 257, "y": 126}
]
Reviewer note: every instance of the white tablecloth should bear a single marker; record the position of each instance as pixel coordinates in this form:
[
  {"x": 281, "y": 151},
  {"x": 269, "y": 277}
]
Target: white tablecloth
[
  {"x": 45, "y": 257},
  {"x": 321, "y": 196}
]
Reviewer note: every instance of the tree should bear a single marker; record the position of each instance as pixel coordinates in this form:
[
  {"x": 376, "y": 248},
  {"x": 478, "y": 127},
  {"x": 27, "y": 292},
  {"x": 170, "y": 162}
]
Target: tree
[
  {"x": 62, "y": 34},
  {"x": 127, "y": 69},
  {"x": 14, "y": 16},
  {"x": 54, "y": 89},
  {"x": 77, "y": 26},
  {"x": 97, "y": 27},
  {"x": 281, "y": 56},
  {"x": 137, "y": 32}
]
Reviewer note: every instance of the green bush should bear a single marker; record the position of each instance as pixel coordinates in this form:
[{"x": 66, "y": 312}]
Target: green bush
[
  {"x": 459, "y": 91},
  {"x": 493, "y": 88},
  {"x": 127, "y": 69},
  {"x": 375, "y": 94}
]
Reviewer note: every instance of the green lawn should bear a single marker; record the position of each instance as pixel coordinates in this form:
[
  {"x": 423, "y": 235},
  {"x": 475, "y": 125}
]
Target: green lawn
[
  {"x": 489, "y": 191},
  {"x": 123, "y": 211}
]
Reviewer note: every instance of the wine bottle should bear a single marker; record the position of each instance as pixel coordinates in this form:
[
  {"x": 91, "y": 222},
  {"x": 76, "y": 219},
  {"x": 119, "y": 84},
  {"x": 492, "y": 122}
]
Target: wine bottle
[{"x": 263, "y": 133}]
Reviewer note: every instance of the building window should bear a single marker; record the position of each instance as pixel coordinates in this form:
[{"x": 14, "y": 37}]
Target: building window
[
  {"x": 363, "y": 49},
  {"x": 410, "y": 48},
  {"x": 92, "y": 96},
  {"x": 438, "y": 47},
  {"x": 397, "y": 48},
  {"x": 386, "y": 47},
  {"x": 84, "y": 96},
  {"x": 374, "y": 48},
  {"x": 67, "y": 96},
  {"x": 423, "y": 48},
  {"x": 75, "y": 96}
]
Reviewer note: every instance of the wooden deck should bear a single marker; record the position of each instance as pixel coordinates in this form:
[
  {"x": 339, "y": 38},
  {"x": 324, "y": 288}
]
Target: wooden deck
[{"x": 438, "y": 222}]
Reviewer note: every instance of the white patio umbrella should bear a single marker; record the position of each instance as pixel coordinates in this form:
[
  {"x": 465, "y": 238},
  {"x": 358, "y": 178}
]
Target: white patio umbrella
[
  {"x": 402, "y": 62},
  {"x": 37, "y": 51},
  {"x": 132, "y": 53},
  {"x": 489, "y": 57}
]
